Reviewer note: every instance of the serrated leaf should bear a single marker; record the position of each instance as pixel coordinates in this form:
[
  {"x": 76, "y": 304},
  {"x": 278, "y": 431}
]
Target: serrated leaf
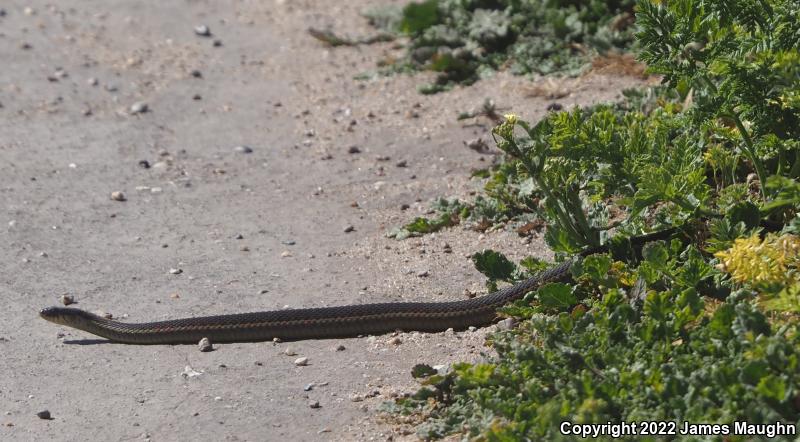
[
  {"x": 556, "y": 295},
  {"x": 744, "y": 212},
  {"x": 494, "y": 265}
]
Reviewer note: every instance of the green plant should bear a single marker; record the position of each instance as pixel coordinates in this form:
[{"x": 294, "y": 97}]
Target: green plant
[
  {"x": 701, "y": 327},
  {"x": 464, "y": 40},
  {"x": 740, "y": 59}
]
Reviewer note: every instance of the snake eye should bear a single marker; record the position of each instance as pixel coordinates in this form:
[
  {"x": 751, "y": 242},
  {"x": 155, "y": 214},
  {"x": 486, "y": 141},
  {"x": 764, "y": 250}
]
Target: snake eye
[{"x": 48, "y": 312}]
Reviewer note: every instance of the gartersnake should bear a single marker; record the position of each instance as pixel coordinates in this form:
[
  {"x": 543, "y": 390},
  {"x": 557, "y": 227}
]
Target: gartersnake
[{"x": 317, "y": 323}]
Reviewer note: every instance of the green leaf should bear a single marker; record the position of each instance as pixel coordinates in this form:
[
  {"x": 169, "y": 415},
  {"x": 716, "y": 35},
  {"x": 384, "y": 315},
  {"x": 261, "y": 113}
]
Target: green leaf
[
  {"x": 785, "y": 191},
  {"x": 596, "y": 266},
  {"x": 419, "y": 16},
  {"x": 754, "y": 371},
  {"x": 772, "y": 387},
  {"x": 556, "y": 295},
  {"x": 745, "y": 212},
  {"x": 494, "y": 265},
  {"x": 656, "y": 255}
]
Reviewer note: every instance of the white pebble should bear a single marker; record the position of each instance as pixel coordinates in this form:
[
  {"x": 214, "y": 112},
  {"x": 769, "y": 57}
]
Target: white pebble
[
  {"x": 139, "y": 107},
  {"x": 205, "y": 345}
]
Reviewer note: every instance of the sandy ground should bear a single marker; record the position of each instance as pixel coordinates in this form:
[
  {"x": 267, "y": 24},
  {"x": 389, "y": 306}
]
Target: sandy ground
[{"x": 249, "y": 231}]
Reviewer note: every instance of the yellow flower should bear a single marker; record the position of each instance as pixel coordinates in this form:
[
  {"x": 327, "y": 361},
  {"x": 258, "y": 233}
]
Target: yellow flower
[
  {"x": 771, "y": 261},
  {"x": 511, "y": 118}
]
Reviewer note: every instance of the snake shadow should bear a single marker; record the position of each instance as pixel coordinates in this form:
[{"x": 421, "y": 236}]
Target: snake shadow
[{"x": 88, "y": 342}]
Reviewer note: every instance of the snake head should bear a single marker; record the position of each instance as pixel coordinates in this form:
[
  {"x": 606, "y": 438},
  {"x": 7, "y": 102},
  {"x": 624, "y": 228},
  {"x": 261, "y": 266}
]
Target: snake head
[{"x": 65, "y": 316}]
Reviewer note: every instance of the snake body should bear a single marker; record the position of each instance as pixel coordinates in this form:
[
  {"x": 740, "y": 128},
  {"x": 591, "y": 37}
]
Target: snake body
[
  {"x": 310, "y": 323},
  {"x": 319, "y": 323}
]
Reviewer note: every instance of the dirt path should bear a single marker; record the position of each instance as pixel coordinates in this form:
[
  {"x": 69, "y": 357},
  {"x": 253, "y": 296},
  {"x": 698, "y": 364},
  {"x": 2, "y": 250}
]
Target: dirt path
[{"x": 248, "y": 231}]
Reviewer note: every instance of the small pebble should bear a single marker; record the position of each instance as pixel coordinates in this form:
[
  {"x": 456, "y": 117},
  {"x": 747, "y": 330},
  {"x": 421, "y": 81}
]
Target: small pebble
[
  {"x": 243, "y": 149},
  {"x": 217, "y": 43},
  {"x": 44, "y": 414},
  {"x": 302, "y": 361},
  {"x": 205, "y": 345},
  {"x": 423, "y": 273},
  {"x": 356, "y": 398},
  {"x": 395, "y": 341},
  {"x": 309, "y": 387},
  {"x": 353, "y": 149},
  {"x": 175, "y": 271},
  {"x": 92, "y": 81},
  {"x": 286, "y": 254},
  {"x": 196, "y": 73},
  {"x": 117, "y": 196},
  {"x": 139, "y": 107},
  {"x": 340, "y": 347},
  {"x": 289, "y": 352},
  {"x": 314, "y": 404},
  {"x": 506, "y": 324},
  {"x": 288, "y": 242},
  {"x": 402, "y": 163},
  {"x": 144, "y": 164},
  {"x": 349, "y": 229},
  {"x": 67, "y": 299},
  {"x": 202, "y": 30},
  {"x": 404, "y": 206}
]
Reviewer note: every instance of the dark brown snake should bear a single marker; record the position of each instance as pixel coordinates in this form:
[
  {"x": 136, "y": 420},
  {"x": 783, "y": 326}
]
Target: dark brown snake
[{"x": 320, "y": 323}]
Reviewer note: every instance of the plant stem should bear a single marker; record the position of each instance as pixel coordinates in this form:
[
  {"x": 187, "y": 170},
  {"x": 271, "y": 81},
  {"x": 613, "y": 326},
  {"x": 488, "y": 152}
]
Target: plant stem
[
  {"x": 751, "y": 153},
  {"x": 750, "y": 150}
]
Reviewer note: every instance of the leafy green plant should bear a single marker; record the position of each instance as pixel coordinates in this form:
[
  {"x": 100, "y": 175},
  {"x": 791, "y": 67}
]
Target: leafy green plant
[
  {"x": 701, "y": 327},
  {"x": 663, "y": 359},
  {"x": 740, "y": 59},
  {"x": 464, "y": 40}
]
